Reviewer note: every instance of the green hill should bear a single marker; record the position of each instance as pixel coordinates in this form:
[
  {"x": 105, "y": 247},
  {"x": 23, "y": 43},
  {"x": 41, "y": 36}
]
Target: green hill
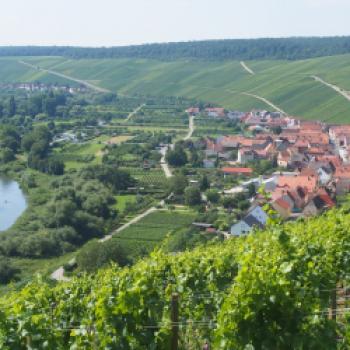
[
  {"x": 286, "y": 84},
  {"x": 270, "y": 290}
]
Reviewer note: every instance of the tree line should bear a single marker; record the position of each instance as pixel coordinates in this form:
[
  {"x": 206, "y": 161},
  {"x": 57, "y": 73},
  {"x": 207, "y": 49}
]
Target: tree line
[{"x": 238, "y": 49}]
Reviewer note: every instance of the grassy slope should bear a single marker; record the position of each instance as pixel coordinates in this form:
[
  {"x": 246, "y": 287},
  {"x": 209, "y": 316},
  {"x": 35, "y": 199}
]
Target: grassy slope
[
  {"x": 11, "y": 71},
  {"x": 286, "y": 84}
]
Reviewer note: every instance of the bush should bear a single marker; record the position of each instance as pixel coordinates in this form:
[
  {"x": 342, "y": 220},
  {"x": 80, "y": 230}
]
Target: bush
[
  {"x": 95, "y": 255},
  {"x": 7, "y": 271},
  {"x": 192, "y": 196}
]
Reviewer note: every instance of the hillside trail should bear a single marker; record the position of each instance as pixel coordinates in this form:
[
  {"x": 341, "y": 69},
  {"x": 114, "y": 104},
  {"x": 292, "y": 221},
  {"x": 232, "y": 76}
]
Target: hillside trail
[
  {"x": 336, "y": 88},
  {"x": 245, "y": 67},
  {"x": 61, "y": 75},
  {"x": 263, "y": 99},
  {"x": 129, "y": 223},
  {"x": 58, "y": 274}
]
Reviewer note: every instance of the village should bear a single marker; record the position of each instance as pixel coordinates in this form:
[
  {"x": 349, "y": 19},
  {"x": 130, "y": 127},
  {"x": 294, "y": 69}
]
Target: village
[{"x": 311, "y": 158}]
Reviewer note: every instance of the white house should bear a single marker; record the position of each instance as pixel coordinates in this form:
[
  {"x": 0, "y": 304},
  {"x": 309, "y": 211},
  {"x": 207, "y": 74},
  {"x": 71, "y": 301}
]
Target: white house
[
  {"x": 256, "y": 217},
  {"x": 259, "y": 214},
  {"x": 324, "y": 176},
  {"x": 245, "y": 156},
  {"x": 240, "y": 228}
]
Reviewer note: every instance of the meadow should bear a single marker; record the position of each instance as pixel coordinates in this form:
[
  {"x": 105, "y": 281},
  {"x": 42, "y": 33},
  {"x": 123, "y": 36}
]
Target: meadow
[{"x": 287, "y": 84}]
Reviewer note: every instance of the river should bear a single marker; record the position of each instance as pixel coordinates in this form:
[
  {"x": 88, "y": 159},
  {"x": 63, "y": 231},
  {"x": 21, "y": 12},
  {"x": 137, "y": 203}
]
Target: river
[{"x": 12, "y": 202}]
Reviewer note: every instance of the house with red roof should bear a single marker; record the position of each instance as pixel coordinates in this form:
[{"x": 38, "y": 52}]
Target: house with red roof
[
  {"x": 215, "y": 112},
  {"x": 319, "y": 203},
  {"x": 237, "y": 171},
  {"x": 282, "y": 207},
  {"x": 193, "y": 111},
  {"x": 309, "y": 182}
]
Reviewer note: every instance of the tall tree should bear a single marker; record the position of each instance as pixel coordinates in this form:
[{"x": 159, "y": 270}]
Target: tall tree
[{"x": 12, "y": 107}]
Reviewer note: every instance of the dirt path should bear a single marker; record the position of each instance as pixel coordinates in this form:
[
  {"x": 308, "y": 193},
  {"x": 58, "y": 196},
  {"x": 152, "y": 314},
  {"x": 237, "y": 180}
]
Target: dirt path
[
  {"x": 58, "y": 275},
  {"x": 245, "y": 67},
  {"x": 266, "y": 101},
  {"x": 82, "y": 82},
  {"x": 135, "y": 111},
  {"x": 163, "y": 162},
  {"x": 133, "y": 221},
  {"x": 336, "y": 88},
  {"x": 190, "y": 128}
]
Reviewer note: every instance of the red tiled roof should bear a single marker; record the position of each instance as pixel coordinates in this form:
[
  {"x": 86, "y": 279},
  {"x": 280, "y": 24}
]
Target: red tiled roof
[
  {"x": 282, "y": 203},
  {"x": 237, "y": 170},
  {"x": 293, "y": 182},
  {"x": 327, "y": 200},
  {"x": 342, "y": 171},
  {"x": 335, "y": 160},
  {"x": 192, "y": 110}
]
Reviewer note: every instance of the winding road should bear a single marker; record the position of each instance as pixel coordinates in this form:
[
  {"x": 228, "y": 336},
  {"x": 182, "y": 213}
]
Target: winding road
[
  {"x": 79, "y": 81},
  {"x": 336, "y": 88}
]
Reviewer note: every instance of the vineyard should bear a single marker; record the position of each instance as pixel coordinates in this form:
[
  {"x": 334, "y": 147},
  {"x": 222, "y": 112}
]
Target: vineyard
[
  {"x": 144, "y": 236},
  {"x": 152, "y": 178},
  {"x": 270, "y": 290}
]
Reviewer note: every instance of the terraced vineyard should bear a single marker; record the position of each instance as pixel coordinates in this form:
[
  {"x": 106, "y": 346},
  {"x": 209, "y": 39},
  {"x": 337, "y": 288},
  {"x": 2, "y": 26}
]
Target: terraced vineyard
[{"x": 288, "y": 85}]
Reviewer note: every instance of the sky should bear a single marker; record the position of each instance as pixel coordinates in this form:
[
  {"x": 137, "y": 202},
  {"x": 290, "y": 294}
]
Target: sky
[{"x": 127, "y": 22}]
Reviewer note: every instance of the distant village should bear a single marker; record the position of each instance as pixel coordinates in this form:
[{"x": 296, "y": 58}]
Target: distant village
[
  {"x": 312, "y": 158},
  {"x": 42, "y": 87}
]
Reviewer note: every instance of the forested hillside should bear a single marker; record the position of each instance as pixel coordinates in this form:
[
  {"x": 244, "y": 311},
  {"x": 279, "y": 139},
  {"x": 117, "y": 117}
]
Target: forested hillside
[
  {"x": 236, "y": 49},
  {"x": 270, "y": 290}
]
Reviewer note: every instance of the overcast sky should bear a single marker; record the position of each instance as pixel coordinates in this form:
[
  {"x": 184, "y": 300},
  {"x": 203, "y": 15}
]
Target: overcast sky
[{"x": 124, "y": 22}]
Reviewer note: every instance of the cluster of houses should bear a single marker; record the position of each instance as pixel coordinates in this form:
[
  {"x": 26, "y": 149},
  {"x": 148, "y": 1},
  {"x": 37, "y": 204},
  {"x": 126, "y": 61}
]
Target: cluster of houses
[
  {"x": 312, "y": 158},
  {"x": 215, "y": 112},
  {"x": 31, "y": 87}
]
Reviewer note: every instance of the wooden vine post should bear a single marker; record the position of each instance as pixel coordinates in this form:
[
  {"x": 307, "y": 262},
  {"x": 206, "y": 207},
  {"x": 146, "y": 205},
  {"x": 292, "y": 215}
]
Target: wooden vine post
[{"x": 174, "y": 321}]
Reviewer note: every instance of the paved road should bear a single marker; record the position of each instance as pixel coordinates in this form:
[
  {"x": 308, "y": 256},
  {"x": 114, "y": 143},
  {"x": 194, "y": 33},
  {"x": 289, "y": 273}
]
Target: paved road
[
  {"x": 79, "y": 81},
  {"x": 336, "y": 88},
  {"x": 134, "y": 112},
  {"x": 266, "y": 101},
  {"x": 245, "y": 67}
]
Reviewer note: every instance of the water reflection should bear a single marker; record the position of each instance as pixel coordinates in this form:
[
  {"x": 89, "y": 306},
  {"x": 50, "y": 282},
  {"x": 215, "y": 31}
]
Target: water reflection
[{"x": 12, "y": 202}]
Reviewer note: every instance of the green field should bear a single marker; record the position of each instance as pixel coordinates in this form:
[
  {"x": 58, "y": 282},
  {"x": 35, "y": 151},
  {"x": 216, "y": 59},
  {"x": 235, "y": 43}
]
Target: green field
[
  {"x": 123, "y": 199},
  {"x": 76, "y": 156},
  {"x": 287, "y": 84},
  {"x": 143, "y": 236}
]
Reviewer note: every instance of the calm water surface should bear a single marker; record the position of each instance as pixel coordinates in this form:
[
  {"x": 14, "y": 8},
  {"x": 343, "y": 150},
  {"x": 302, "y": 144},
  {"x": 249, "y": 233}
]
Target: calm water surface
[{"x": 12, "y": 202}]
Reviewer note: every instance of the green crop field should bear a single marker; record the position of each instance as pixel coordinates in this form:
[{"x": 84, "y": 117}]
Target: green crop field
[
  {"x": 151, "y": 230},
  {"x": 287, "y": 84}
]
